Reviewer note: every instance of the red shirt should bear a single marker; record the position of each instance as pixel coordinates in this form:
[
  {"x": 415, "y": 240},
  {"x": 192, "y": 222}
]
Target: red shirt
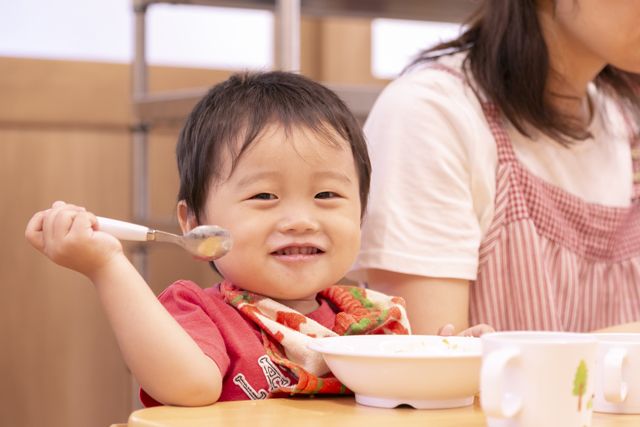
[{"x": 233, "y": 342}]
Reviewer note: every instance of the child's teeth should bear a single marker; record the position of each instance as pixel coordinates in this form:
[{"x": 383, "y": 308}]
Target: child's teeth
[{"x": 298, "y": 251}]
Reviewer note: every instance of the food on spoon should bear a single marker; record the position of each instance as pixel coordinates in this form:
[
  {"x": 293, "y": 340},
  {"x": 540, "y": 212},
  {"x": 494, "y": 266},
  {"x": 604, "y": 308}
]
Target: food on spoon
[{"x": 208, "y": 247}]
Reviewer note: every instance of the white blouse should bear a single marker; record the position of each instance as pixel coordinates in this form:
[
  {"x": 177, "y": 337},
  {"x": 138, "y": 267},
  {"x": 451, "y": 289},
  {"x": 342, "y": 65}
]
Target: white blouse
[{"x": 433, "y": 181}]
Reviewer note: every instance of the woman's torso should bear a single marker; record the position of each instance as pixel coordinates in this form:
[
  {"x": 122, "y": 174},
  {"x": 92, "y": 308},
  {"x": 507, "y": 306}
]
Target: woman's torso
[{"x": 440, "y": 125}]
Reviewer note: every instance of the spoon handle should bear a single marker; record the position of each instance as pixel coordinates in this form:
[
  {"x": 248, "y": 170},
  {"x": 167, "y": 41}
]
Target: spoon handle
[{"x": 124, "y": 230}]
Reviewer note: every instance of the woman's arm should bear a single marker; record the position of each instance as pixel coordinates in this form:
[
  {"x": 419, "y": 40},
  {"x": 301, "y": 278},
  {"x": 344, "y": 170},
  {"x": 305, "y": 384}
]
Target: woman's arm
[
  {"x": 431, "y": 302},
  {"x": 633, "y": 327}
]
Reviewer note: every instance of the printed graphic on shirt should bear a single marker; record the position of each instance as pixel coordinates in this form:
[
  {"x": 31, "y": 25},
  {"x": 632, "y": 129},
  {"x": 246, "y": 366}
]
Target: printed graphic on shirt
[
  {"x": 241, "y": 382},
  {"x": 273, "y": 375}
]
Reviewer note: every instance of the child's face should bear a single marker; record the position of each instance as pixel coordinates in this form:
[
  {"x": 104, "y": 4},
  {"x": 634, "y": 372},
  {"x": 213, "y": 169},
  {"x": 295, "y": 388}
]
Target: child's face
[{"x": 293, "y": 209}]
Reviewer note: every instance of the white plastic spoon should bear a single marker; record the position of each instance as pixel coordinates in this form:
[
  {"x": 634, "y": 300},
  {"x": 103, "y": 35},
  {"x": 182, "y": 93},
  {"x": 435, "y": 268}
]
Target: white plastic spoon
[{"x": 207, "y": 242}]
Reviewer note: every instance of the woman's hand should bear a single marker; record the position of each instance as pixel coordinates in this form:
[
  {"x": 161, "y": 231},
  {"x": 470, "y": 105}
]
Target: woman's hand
[
  {"x": 69, "y": 236},
  {"x": 474, "y": 331}
]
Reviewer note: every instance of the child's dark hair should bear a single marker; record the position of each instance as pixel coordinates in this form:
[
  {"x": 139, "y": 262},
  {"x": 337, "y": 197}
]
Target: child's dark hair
[{"x": 233, "y": 114}]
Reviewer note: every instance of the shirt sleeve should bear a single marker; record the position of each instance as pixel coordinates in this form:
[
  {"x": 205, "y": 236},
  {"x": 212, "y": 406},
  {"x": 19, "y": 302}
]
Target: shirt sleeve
[
  {"x": 422, "y": 217},
  {"x": 192, "y": 309}
]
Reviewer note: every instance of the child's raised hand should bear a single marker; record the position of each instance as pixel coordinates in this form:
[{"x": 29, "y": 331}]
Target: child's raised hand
[
  {"x": 67, "y": 234},
  {"x": 474, "y": 331}
]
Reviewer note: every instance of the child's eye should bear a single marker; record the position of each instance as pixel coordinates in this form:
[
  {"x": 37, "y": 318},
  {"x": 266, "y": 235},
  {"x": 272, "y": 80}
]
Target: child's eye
[
  {"x": 264, "y": 196},
  {"x": 326, "y": 195}
]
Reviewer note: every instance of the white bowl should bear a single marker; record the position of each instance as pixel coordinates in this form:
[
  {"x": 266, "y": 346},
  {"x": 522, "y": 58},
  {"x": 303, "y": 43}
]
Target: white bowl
[{"x": 423, "y": 371}]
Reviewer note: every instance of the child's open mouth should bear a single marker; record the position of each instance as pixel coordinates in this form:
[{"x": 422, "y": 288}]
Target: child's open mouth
[{"x": 298, "y": 250}]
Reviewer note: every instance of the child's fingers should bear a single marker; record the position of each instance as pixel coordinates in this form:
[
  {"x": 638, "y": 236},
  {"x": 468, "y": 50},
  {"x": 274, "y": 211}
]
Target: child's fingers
[
  {"x": 93, "y": 220},
  {"x": 60, "y": 204},
  {"x": 62, "y": 224},
  {"x": 82, "y": 223},
  {"x": 49, "y": 225},
  {"x": 58, "y": 220},
  {"x": 33, "y": 232}
]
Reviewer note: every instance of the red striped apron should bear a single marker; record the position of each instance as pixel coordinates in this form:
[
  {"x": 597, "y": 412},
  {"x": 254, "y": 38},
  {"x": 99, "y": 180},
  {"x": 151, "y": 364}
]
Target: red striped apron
[{"x": 550, "y": 260}]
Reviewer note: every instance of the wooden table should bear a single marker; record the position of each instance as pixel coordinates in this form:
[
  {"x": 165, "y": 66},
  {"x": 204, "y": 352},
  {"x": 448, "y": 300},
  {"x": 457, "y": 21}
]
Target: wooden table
[{"x": 325, "y": 412}]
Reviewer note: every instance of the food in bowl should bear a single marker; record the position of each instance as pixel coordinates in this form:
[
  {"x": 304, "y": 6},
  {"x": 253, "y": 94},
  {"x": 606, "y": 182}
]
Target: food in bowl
[{"x": 422, "y": 371}]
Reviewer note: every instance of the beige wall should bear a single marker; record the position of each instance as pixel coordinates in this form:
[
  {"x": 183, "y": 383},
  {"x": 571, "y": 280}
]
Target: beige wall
[{"x": 64, "y": 134}]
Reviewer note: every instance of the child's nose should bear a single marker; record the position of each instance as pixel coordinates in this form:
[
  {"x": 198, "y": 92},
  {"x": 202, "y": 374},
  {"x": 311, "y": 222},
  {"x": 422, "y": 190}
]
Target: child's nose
[{"x": 298, "y": 221}]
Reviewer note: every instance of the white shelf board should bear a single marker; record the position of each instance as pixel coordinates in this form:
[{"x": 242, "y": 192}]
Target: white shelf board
[
  {"x": 421, "y": 10},
  {"x": 174, "y": 106}
]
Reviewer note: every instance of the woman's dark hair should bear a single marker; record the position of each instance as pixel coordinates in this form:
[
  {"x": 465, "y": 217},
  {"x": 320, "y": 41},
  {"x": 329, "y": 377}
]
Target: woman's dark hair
[
  {"x": 230, "y": 117},
  {"x": 509, "y": 61}
]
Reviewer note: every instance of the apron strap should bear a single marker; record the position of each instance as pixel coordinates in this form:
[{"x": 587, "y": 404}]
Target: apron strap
[{"x": 634, "y": 143}]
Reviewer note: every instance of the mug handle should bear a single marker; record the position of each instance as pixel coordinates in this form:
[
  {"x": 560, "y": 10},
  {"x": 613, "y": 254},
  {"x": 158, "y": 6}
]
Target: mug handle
[
  {"x": 496, "y": 401},
  {"x": 614, "y": 386}
]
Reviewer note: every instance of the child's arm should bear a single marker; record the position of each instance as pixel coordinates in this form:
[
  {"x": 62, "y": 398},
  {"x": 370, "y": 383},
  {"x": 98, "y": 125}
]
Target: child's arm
[{"x": 165, "y": 360}]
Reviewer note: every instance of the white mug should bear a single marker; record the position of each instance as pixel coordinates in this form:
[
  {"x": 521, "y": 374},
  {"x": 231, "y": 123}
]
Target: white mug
[
  {"x": 533, "y": 379},
  {"x": 618, "y": 373}
]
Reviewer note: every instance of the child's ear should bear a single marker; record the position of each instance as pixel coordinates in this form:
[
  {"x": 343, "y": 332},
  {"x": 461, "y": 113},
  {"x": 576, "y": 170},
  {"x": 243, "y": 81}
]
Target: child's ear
[{"x": 186, "y": 217}]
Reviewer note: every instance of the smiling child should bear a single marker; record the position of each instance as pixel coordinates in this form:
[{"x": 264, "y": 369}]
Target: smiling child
[{"x": 280, "y": 162}]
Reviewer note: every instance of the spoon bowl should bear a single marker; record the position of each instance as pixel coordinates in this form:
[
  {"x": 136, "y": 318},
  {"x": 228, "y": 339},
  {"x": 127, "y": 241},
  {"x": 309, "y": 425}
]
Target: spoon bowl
[{"x": 205, "y": 242}]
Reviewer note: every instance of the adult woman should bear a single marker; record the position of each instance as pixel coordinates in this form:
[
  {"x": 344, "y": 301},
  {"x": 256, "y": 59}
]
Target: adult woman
[{"x": 503, "y": 189}]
